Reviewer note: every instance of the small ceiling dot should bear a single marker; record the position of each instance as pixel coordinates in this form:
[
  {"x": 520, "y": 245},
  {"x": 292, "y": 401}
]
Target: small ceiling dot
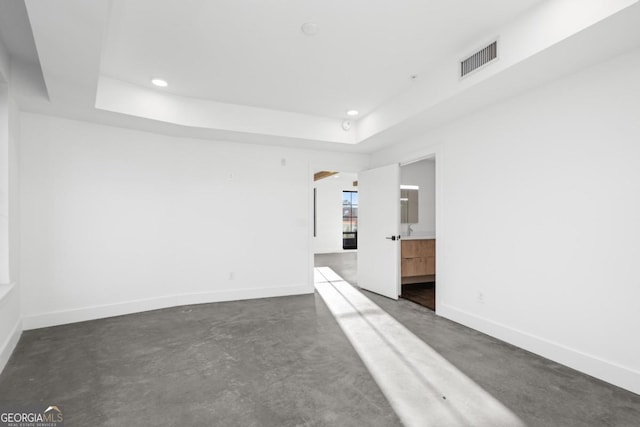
[{"x": 310, "y": 28}]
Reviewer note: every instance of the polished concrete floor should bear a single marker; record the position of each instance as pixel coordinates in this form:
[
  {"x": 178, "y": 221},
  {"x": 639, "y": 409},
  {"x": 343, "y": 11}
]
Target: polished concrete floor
[
  {"x": 344, "y": 263},
  {"x": 276, "y": 362},
  {"x": 423, "y": 388},
  {"x": 268, "y": 362},
  {"x": 540, "y": 392}
]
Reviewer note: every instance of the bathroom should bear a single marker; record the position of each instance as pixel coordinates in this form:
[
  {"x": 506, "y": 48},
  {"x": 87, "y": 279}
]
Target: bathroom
[{"x": 418, "y": 230}]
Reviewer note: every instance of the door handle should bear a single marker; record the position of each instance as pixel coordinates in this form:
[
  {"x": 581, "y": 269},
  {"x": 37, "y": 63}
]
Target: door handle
[{"x": 393, "y": 238}]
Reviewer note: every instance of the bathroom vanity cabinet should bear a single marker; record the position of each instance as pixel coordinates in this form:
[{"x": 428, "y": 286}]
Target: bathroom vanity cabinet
[{"x": 418, "y": 260}]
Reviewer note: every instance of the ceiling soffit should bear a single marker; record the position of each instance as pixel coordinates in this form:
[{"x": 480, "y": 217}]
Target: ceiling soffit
[{"x": 70, "y": 40}]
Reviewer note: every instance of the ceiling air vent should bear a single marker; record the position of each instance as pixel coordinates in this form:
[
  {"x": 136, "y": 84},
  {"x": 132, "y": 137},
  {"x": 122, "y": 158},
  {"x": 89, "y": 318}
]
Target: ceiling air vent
[{"x": 478, "y": 59}]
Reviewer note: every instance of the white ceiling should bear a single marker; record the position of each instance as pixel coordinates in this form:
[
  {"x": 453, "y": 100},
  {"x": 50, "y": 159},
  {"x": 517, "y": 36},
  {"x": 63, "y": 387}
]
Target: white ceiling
[
  {"x": 242, "y": 70},
  {"x": 253, "y": 52}
]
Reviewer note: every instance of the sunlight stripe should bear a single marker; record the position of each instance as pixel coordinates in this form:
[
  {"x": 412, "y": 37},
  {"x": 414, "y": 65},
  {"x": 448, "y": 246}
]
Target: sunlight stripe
[{"x": 423, "y": 388}]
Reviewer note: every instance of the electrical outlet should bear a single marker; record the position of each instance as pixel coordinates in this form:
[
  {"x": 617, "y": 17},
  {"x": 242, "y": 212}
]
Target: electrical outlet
[
  {"x": 480, "y": 297},
  {"x": 232, "y": 275}
]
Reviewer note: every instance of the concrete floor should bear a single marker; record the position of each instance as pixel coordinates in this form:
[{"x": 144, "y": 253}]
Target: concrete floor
[
  {"x": 268, "y": 362},
  {"x": 540, "y": 392},
  {"x": 276, "y": 362},
  {"x": 423, "y": 388},
  {"x": 344, "y": 263}
]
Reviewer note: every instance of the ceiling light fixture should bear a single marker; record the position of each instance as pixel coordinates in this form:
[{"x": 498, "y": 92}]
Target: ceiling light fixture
[
  {"x": 159, "y": 82},
  {"x": 310, "y": 28},
  {"x": 353, "y": 113}
]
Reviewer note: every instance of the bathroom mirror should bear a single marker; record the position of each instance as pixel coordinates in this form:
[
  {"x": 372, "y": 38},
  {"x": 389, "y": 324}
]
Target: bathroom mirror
[{"x": 409, "y": 204}]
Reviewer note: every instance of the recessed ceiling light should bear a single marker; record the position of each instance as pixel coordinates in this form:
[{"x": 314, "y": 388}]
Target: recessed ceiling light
[
  {"x": 160, "y": 82},
  {"x": 310, "y": 28},
  {"x": 353, "y": 113}
]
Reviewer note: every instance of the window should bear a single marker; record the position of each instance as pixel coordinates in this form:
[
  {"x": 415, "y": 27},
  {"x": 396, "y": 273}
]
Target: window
[{"x": 349, "y": 220}]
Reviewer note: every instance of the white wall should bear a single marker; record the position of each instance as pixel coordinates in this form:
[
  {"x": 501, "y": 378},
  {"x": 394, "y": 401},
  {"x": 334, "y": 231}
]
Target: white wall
[
  {"x": 115, "y": 221},
  {"x": 538, "y": 210},
  {"x": 10, "y": 324},
  {"x": 14, "y": 199},
  {"x": 422, "y": 174},
  {"x": 329, "y": 211},
  {"x": 4, "y": 183}
]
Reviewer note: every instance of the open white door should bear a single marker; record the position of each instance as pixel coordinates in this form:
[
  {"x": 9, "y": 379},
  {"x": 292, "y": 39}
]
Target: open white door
[{"x": 379, "y": 230}]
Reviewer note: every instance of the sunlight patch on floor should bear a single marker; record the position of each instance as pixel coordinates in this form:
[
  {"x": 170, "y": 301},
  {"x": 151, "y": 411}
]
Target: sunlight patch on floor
[{"x": 422, "y": 387}]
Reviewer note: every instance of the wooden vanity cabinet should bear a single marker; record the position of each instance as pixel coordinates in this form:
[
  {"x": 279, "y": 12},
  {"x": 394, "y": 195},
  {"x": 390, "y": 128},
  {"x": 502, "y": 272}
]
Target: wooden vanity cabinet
[{"x": 418, "y": 260}]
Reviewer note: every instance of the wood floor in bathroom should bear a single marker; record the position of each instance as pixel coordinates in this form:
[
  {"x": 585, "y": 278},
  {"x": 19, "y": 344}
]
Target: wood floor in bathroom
[{"x": 421, "y": 293}]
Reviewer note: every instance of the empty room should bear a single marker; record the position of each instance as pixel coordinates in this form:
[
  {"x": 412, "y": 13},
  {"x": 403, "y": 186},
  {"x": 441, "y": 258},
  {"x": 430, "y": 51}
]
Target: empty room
[{"x": 319, "y": 213}]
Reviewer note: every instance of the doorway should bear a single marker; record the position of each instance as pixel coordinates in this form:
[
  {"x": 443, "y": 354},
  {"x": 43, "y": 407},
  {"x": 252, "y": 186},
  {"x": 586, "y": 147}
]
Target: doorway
[
  {"x": 335, "y": 219},
  {"x": 376, "y": 265},
  {"x": 418, "y": 230}
]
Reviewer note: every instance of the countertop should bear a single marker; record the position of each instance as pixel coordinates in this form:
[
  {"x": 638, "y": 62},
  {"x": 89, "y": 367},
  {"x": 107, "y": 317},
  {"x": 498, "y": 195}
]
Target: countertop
[{"x": 419, "y": 237}]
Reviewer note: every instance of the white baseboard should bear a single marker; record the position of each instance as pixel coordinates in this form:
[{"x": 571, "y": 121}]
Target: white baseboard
[
  {"x": 605, "y": 370},
  {"x": 10, "y": 344},
  {"x": 128, "y": 307}
]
